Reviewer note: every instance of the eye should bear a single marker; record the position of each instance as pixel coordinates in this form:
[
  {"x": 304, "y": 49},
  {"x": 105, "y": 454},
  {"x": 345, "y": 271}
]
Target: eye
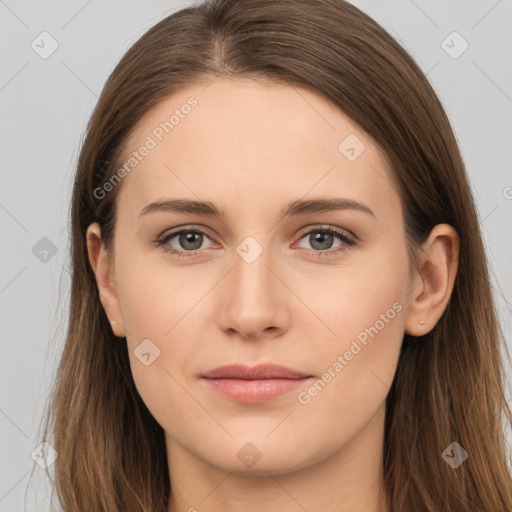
[
  {"x": 189, "y": 240},
  {"x": 321, "y": 240}
]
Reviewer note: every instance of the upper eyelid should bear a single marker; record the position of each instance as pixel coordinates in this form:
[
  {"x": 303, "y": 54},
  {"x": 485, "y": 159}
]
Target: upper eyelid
[
  {"x": 174, "y": 232},
  {"x": 326, "y": 227}
]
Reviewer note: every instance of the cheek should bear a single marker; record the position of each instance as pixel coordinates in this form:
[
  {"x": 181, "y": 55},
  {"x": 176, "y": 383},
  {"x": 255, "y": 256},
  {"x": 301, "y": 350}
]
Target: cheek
[
  {"x": 368, "y": 320},
  {"x": 155, "y": 297},
  {"x": 157, "y": 305},
  {"x": 357, "y": 368},
  {"x": 362, "y": 299},
  {"x": 363, "y": 303}
]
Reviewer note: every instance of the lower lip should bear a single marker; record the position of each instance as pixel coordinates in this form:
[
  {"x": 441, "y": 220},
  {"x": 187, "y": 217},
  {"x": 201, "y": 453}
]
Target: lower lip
[{"x": 254, "y": 391}]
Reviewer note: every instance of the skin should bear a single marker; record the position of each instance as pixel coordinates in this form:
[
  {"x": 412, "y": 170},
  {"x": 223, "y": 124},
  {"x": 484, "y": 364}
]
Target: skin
[{"x": 250, "y": 148}]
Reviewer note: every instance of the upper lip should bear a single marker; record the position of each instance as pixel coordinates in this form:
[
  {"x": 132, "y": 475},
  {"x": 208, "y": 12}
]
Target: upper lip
[{"x": 261, "y": 371}]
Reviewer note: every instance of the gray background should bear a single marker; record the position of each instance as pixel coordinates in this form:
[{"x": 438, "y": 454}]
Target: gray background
[{"x": 44, "y": 107}]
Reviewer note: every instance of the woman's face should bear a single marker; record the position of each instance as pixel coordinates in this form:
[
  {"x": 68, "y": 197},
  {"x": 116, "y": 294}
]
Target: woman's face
[{"x": 304, "y": 266}]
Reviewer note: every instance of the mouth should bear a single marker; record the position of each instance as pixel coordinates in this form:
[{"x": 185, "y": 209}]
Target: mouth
[{"x": 254, "y": 385}]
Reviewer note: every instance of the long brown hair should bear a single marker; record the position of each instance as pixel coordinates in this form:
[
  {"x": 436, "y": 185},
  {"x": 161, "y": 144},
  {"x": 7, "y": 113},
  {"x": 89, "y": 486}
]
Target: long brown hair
[{"x": 449, "y": 383}]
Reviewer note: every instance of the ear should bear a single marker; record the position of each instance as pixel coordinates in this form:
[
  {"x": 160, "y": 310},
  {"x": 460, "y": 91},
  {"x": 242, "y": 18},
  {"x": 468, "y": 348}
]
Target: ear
[
  {"x": 103, "y": 270},
  {"x": 432, "y": 285}
]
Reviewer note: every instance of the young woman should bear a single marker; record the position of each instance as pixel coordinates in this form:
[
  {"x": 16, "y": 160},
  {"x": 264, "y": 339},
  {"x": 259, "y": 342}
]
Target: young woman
[{"x": 280, "y": 297}]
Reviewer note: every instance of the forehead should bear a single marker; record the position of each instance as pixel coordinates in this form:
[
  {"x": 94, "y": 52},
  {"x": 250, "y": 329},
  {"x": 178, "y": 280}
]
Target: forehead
[{"x": 247, "y": 141}]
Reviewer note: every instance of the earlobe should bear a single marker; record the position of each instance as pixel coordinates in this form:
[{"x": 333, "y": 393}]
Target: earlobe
[
  {"x": 104, "y": 274},
  {"x": 117, "y": 329},
  {"x": 432, "y": 286}
]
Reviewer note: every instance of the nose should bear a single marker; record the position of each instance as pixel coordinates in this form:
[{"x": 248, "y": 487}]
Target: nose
[{"x": 254, "y": 298}]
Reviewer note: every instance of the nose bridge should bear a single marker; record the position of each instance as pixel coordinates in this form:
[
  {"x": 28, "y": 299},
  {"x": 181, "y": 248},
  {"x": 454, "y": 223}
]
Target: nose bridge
[
  {"x": 252, "y": 301},
  {"x": 251, "y": 275}
]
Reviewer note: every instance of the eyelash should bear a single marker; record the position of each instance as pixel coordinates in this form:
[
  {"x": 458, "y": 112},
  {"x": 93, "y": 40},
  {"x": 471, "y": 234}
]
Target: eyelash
[{"x": 346, "y": 239}]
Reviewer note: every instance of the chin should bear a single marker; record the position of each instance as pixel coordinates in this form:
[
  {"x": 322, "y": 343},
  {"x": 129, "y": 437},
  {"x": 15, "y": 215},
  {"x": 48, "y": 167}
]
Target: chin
[{"x": 260, "y": 459}]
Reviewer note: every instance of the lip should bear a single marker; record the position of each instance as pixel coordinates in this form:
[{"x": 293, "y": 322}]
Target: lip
[
  {"x": 261, "y": 371},
  {"x": 254, "y": 385}
]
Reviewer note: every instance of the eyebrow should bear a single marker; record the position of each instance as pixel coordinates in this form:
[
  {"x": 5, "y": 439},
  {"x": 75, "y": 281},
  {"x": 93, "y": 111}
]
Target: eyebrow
[{"x": 294, "y": 208}]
